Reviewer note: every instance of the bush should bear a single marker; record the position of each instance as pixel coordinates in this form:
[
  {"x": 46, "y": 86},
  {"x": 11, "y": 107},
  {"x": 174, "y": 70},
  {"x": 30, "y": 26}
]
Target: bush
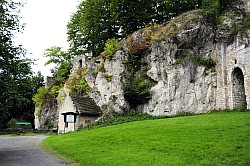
[
  {"x": 110, "y": 48},
  {"x": 77, "y": 84},
  {"x": 39, "y": 97},
  {"x": 207, "y": 62},
  {"x": 211, "y": 10},
  {"x": 108, "y": 76},
  {"x": 137, "y": 91},
  {"x": 12, "y": 123}
]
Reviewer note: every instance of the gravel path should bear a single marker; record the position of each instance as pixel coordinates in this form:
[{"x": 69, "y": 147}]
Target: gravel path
[{"x": 25, "y": 151}]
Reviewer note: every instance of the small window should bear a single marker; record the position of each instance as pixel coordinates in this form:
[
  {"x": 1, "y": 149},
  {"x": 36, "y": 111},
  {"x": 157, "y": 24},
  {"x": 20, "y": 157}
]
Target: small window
[{"x": 80, "y": 63}]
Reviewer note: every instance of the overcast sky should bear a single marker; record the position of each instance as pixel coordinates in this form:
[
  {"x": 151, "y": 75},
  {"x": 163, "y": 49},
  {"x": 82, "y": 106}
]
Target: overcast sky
[{"x": 46, "y": 26}]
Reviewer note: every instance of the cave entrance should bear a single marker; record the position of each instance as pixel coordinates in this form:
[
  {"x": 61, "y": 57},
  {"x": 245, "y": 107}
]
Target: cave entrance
[{"x": 239, "y": 97}]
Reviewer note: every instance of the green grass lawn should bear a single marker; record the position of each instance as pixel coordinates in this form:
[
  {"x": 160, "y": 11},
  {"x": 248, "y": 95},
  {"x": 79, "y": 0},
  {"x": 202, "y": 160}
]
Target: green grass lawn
[{"x": 221, "y": 138}]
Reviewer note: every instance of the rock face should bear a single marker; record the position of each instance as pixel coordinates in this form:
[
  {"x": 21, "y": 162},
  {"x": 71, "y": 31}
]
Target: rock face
[
  {"x": 46, "y": 115},
  {"x": 46, "y": 118},
  {"x": 108, "y": 94},
  {"x": 194, "y": 67},
  {"x": 181, "y": 67}
]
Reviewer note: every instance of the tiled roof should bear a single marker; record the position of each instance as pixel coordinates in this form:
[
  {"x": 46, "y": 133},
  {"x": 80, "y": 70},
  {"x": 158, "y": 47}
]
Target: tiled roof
[{"x": 86, "y": 106}]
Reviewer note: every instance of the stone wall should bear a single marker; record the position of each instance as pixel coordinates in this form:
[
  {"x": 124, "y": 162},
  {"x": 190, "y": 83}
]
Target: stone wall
[
  {"x": 233, "y": 88},
  {"x": 47, "y": 116},
  {"x": 65, "y": 104}
]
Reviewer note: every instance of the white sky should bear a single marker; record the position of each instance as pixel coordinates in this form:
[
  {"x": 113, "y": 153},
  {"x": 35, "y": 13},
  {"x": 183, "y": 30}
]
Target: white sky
[{"x": 46, "y": 26}]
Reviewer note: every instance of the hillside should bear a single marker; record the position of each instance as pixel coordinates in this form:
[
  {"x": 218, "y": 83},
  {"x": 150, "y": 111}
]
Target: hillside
[{"x": 212, "y": 139}]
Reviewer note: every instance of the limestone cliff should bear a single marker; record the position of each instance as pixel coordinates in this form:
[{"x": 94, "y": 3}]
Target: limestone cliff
[
  {"x": 46, "y": 114},
  {"x": 193, "y": 66},
  {"x": 46, "y": 117}
]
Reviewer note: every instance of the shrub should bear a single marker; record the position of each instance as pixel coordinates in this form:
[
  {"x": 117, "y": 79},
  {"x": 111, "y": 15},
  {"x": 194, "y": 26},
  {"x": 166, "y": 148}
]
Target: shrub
[
  {"x": 211, "y": 10},
  {"x": 12, "y": 123},
  {"x": 77, "y": 83},
  {"x": 137, "y": 91},
  {"x": 136, "y": 86},
  {"x": 239, "y": 27},
  {"x": 45, "y": 95},
  {"x": 178, "y": 61},
  {"x": 39, "y": 97},
  {"x": 110, "y": 48},
  {"x": 207, "y": 62},
  {"x": 108, "y": 76}
]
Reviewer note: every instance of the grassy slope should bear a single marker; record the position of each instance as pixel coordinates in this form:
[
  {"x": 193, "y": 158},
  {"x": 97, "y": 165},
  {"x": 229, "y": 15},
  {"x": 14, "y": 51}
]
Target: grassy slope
[{"x": 212, "y": 139}]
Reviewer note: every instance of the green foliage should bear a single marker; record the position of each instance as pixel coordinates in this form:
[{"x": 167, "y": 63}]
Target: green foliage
[
  {"x": 45, "y": 96},
  {"x": 54, "y": 90},
  {"x": 61, "y": 96},
  {"x": 117, "y": 19},
  {"x": 56, "y": 55},
  {"x": 133, "y": 63},
  {"x": 137, "y": 85},
  {"x": 62, "y": 60},
  {"x": 17, "y": 82},
  {"x": 97, "y": 21},
  {"x": 12, "y": 123},
  {"x": 137, "y": 90},
  {"x": 246, "y": 24},
  {"x": 212, "y": 139},
  {"x": 207, "y": 62},
  {"x": 213, "y": 8},
  {"x": 91, "y": 26},
  {"x": 77, "y": 83},
  {"x": 39, "y": 97},
  {"x": 239, "y": 28},
  {"x": 178, "y": 61},
  {"x": 172, "y": 28},
  {"x": 110, "y": 48},
  {"x": 108, "y": 76},
  {"x": 224, "y": 4}
]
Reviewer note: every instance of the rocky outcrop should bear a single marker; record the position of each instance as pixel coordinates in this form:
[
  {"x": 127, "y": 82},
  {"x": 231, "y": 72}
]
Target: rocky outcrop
[
  {"x": 46, "y": 114},
  {"x": 46, "y": 117},
  {"x": 193, "y": 67}
]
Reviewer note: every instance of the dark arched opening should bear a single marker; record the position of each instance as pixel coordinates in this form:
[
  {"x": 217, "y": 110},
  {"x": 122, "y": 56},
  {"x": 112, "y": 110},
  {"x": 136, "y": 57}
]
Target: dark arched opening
[{"x": 239, "y": 97}]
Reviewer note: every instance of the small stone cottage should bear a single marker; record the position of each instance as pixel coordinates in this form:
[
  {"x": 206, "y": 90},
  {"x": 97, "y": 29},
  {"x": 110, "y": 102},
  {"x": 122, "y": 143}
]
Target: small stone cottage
[{"x": 75, "y": 112}]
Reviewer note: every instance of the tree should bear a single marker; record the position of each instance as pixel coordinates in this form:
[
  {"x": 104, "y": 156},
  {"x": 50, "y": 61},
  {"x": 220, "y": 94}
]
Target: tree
[
  {"x": 16, "y": 81},
  {"x": 213, "y": 8},
  {"x": 96, "y": 21},
  {"x": 62, "y": 60}
]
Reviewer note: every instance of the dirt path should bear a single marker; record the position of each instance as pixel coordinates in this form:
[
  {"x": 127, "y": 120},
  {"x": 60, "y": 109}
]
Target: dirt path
[{"x": 25, "y": 151}]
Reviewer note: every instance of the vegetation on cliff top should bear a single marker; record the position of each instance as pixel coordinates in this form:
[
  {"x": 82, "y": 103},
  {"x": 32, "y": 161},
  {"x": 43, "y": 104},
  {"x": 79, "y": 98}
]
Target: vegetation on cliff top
[
  {"x": 212, "y": 139},
  {"x": 77, "y": 83},
  {"x": 117, "y": 19}
]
